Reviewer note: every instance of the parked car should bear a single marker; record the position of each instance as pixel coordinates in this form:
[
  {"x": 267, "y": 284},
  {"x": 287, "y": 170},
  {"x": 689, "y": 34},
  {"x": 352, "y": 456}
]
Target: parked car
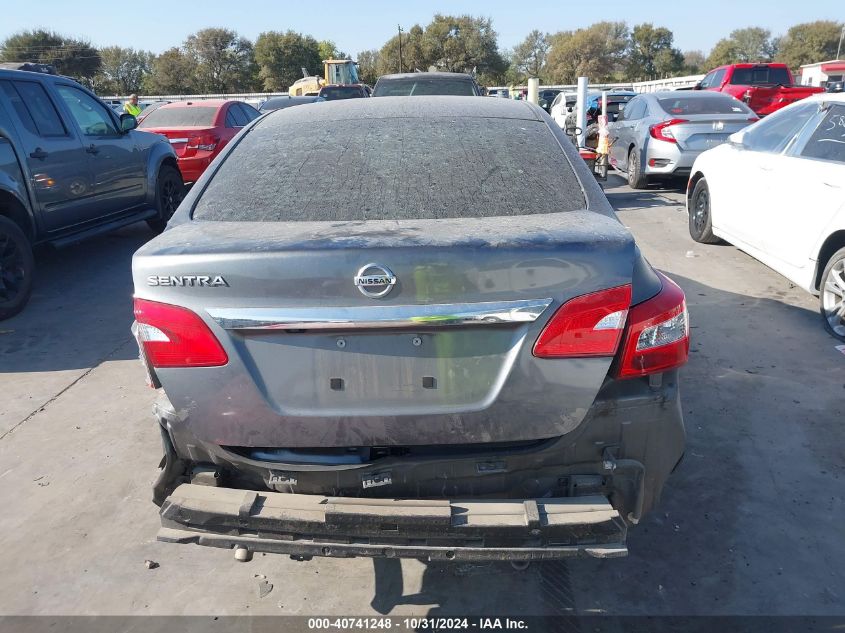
[
  {"x": 420, "y": 361},
  {"x": 335, "y": 92},
  {"x": 777, "y": 191},
  {"x": 660, "y": 134},
  {"x": 425, "y": 84},
  {"x": 765, "y": 88},
  {"x": 546, "y": 97},
  {"x": 198, "y": 130},
  {"x": 71, "y": 168},
  {"x": 503, "y": 93},
  {"x": 561, "y": 106},
  {"x": 277, "y": 103},
  {"x": 149, "y": 108}
]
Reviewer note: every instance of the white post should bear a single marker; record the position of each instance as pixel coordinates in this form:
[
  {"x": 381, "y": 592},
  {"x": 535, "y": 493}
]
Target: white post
[
  {"x": 534, "y": 90},
  {"x": 581, "y": 110}
]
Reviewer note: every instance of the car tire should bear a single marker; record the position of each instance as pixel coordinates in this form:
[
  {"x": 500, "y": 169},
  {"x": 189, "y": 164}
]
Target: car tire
[
  {"x": 636, "y": 178},
  {"x": 17, "y": 267},
  {"x": 832, "y": 295},
  {"x": 170, "y": 189},
  {"x": 700, "y": 220}
]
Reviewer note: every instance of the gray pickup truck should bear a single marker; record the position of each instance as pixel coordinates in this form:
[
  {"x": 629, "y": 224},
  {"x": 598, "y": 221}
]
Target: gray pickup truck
[{"x": 71, "y": 168}]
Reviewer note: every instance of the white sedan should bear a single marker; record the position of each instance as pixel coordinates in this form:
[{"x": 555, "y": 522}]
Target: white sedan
[{"x": 776, "y": 190}]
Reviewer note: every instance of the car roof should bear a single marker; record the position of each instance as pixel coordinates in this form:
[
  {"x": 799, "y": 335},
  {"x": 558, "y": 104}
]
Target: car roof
[
  {"x": 834, "y": 97},
  {"x": 427, "y": 107},
  {"x": 435, "y": 75}
]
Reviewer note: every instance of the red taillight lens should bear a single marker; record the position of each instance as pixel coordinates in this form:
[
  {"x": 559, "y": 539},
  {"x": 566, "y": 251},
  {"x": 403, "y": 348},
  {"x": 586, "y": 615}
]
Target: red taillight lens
[
  {"x": 176, "y": 337},
  {"x": 661, "y": 131},
  {"x": 657, "y": 336},
  {"x": 204, "y": 142},
  {"x": 589, "y": 325}
]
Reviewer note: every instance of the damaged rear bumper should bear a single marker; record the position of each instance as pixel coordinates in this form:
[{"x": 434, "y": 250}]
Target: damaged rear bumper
[{"x": 435, "y": 529}]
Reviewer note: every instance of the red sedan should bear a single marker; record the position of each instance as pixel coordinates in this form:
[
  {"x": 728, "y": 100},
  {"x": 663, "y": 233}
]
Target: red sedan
[{"x": 198, "y": 130}]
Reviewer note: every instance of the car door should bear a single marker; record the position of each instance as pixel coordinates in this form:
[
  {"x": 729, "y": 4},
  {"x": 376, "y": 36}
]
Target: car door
[
  {"x": 115, "y": 159},
  {"x": 624, "y": 132},
  {"x": 811, "y": 189},
  {"x": 763, "y": 176},
  {"x": 58, "y": 165}
]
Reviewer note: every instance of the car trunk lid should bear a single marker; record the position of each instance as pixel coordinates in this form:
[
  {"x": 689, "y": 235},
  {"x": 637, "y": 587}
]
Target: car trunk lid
[
  {"x": 444, "y": 356},
  {"x": 704, "y": 131}
]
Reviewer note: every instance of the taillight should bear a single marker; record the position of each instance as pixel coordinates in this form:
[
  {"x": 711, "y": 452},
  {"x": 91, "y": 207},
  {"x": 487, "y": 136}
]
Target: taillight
[
  {"x": 657, "y": 335},
  {"x": 589, "y": 325},
  {"x": 661, "y": 131},
  {"x": 176, "y": 337},
  {"x": 204, "y": 142},
  {"x": 753, "y": 119}
]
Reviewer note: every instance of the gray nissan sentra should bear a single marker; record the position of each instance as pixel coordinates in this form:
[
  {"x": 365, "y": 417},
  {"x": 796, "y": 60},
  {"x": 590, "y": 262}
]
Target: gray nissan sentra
[{"x": 374, "y": 337}]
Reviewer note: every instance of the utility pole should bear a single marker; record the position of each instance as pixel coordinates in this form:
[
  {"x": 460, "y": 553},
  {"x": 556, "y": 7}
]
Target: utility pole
[
  {"x": 841, "y": 35},
  {"x": 400, "y": 47}
]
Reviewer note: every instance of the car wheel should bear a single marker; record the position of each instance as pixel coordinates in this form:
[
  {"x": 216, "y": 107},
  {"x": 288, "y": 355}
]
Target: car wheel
[
  {"x": 169, "y": 193},
  {"x": 832, "y": 295},
  {"x": 17, "y": 267},
  {"x": 636, "y": 178},
  {"x": 700, "y": 221}
]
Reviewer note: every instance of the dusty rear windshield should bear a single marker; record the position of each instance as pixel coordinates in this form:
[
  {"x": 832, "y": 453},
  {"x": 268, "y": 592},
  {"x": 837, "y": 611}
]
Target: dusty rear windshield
[
  {"x": 179, "y": 117},
  {"x": 424, "y": 87},
  {"x": 391, "y": 168}
]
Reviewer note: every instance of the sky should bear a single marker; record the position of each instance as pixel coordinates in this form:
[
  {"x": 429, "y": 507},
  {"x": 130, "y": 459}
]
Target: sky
[{"x": 356, "y": 25}]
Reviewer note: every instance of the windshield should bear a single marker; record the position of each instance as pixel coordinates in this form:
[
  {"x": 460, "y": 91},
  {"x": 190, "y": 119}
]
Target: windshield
[
  {"x": 704, "y": 103},
  {"x": 333, "y": 93},
  {"x": 181, "y": 116},
  {"x": 760, "y": 75},
  {"x": 419, "y": 87},
  {"x": 394, "y": 168}
]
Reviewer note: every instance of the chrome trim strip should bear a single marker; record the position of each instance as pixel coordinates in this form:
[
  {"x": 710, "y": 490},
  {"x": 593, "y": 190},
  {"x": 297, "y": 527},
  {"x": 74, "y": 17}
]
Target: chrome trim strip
[
  {"x": 374, "y": 317},
  {"x": 178, "y": 140}
]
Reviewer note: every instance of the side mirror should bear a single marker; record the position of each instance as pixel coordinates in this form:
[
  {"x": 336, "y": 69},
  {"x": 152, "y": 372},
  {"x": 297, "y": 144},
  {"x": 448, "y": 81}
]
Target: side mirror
[
  {"x": 737, "y": 139},
  {"x": 127, "y": 122}
]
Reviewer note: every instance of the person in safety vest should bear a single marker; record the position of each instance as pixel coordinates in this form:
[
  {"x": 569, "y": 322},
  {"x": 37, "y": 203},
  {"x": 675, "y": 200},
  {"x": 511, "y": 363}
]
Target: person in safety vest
[{"x": 131, "y": 106}]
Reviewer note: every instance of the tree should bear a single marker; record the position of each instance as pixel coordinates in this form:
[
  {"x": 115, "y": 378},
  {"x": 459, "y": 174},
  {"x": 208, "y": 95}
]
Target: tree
[
  {"x": 122, "y": 70},
  {"x": 462, "y": 44},
  {"x": 645, "y": 45},
  {"x": 282, "y": 56},
  {"x": 529, "y": 57},
  {"x": 328, "y": 50},
  {"x": 594, "y": 52},
  {"x": 72, "y": 57},
  {"x": 368, "y": 62},
  {"x": 751, "y": 44},
  {"x": 172, "y": 72},
  {"x": 695, "y": 63},
  {"x": 224, "y": 60},
  {"x": 413, "y": 56},
  {"x": 809, "y": 42}
]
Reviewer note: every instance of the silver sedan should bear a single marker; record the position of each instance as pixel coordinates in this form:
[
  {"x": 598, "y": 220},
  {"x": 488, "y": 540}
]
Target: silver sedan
[{"x": 662, "y": 133}]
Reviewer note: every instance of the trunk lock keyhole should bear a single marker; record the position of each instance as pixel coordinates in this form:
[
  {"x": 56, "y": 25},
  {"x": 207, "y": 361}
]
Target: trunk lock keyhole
[
  {"x": 417, "y": 341},
  {"x": 341, "y": 343}
]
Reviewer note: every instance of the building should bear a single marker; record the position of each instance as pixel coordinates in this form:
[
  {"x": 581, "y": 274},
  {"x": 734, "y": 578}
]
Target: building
[{"x": 821, "y": 73}]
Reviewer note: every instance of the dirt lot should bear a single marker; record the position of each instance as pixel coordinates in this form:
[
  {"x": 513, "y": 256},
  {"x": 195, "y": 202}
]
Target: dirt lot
[{"x": 751, "y": 523}]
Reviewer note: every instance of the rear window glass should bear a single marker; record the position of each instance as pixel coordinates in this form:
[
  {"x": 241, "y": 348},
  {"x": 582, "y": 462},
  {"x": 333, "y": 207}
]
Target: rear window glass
[
  {"x": 337, "y": 92},
  {"x": 703, "y": 103},
  {"x": 180, "y": 117},
  {"x": 421, "y": 87},
  {"x": 391, "y": 168},
  {"x": 828, "y": 139},
  {"x": 760, "y": 76}
]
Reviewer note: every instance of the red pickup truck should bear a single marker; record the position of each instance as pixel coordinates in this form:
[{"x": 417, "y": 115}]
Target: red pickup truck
[{"x": 765, "y": 88}]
